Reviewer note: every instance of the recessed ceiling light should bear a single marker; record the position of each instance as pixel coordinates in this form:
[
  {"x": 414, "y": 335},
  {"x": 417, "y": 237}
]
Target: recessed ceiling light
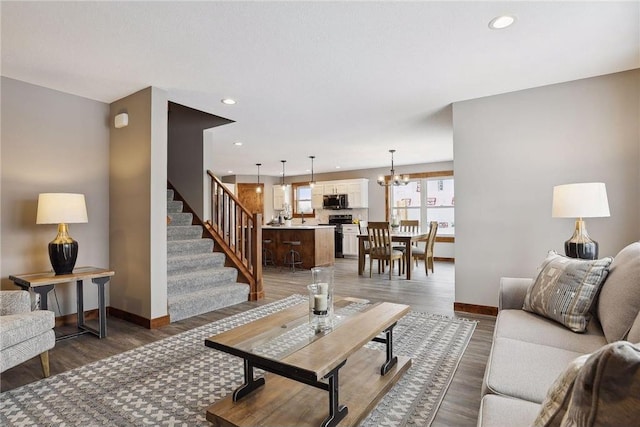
[
  {"x": 337, "y": 167},
  {"x": 500, "y": 22},
  {"x": 238, "y": 144},
  {"x": 228, "y": 101},
  {"x": 229, "y": 171}
]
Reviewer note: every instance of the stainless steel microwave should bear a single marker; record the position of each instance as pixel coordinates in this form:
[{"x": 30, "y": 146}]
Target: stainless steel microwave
[{"x": 335, "y": 201}]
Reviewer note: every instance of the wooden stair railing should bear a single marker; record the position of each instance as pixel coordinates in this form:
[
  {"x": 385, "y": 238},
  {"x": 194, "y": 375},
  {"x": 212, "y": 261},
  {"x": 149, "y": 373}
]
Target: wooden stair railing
[{"x": 238, "y": 233}]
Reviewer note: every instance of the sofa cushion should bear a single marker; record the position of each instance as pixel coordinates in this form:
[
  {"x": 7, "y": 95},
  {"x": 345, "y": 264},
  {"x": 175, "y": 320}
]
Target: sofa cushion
[
  {"x": 500, "y": 411},
  {"x": 556, "y": 402},
  {"x": 530, "y": 327},
  {"x": 619, "y": 301},
  {"x": 566, "y": 288},
  {"x": 606, "y": 391},
  {"x": 16, "y": 328},
  {"x": 524, "y": 370}
]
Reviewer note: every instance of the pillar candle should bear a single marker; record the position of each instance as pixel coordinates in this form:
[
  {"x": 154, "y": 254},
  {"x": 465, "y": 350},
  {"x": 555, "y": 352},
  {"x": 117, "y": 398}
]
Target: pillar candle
[
  {"x": 323, "y": 288},
  {"x": 320, "y": 302}
]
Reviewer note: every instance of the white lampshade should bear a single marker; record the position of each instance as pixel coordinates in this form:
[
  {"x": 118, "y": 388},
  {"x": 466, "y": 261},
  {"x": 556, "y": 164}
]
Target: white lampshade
[
  {"x": 582, "y": 200},
  {"x": 61, "y": 208}
]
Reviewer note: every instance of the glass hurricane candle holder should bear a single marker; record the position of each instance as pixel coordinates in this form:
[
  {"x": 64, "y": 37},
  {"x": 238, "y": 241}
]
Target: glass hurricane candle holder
[{"x": 321, "y": 299}]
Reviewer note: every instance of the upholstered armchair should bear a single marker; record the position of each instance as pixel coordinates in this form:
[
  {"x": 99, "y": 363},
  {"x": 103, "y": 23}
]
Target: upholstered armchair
[{"x": 24, "y": 333}]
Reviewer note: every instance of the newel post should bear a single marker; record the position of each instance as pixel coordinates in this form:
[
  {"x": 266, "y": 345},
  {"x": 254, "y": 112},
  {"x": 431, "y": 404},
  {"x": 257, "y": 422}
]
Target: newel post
[{"x": 257, "y": 291}]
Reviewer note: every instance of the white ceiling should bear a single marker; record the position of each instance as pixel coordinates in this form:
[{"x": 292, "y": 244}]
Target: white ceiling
[{"x": 344, "y": 81}]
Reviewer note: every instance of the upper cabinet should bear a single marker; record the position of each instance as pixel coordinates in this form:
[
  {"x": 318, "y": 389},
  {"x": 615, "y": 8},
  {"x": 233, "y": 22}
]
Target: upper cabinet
[
  {"x": 316, "y": 195},
  {"x": 335, "y": 187},
  {"x": 357, "y": 191},
  {"x": 280, "y": 197}
]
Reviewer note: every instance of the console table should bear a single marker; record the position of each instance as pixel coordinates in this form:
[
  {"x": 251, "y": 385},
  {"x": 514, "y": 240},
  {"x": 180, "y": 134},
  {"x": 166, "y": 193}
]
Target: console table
[{"x": 42, "y": 283}]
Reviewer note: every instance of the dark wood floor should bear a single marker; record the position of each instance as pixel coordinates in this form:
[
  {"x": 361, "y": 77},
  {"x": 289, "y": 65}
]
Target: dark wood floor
[{"x": 434, "y": 294}]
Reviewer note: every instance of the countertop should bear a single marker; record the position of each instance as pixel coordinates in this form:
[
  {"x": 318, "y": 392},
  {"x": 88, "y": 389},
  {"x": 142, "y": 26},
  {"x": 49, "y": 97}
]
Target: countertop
[{"x": 296, "y": 227}]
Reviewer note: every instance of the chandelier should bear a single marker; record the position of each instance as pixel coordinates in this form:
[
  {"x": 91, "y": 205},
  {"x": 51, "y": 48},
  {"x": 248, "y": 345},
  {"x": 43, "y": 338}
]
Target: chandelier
[{"x": 395, "y": 180}]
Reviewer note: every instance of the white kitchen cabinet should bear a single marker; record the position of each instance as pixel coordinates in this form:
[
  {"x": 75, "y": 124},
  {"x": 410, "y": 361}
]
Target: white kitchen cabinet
[
  {"x": 350, "y": 239},
  {"x": 316, "y": 195},
  {"x": 358, "y": 193},
  {"x": 280, "y": 197}
]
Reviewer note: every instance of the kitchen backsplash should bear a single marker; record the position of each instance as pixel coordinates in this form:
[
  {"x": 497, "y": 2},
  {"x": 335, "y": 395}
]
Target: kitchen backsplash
[{"x": 322, "y": 215}]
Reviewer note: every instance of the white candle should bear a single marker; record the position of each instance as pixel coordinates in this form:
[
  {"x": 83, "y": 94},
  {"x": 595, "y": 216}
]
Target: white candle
[
  {"x": 320, "y": 302},
  {"x": 323, "y": 288}
]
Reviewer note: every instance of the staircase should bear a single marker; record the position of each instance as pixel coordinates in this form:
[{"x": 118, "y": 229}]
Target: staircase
[{"x": 197, "y": 280}]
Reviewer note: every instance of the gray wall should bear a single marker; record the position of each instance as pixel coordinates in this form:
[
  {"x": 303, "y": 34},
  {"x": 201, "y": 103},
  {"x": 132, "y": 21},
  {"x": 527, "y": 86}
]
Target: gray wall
[
  {"x": 510, "y": 150},
  {"x": 138, "y": 208},
  {"x": 52, "y": 142}
]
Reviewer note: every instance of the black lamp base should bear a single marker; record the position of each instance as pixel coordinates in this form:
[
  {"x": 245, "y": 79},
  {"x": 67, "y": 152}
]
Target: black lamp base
[
  {"x": 63, "y": 256},
  {"x": 587, "y": 250},
  {"x": 580, "y": 245}
]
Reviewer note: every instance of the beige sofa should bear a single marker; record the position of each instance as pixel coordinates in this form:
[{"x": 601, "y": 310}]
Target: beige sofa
[{"x": 529, "y": 351}]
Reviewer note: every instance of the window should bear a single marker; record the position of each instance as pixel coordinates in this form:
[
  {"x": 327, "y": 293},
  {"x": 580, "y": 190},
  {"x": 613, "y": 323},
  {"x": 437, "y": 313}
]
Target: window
[
  {"x": 428, "y": 197},
  {"x": 302, "y": 199}
]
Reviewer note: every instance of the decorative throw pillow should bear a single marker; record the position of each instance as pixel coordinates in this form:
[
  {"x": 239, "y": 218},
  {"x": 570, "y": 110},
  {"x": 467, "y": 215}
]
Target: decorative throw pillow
[
  {"x": 555, "y": 404},
  {"x": 606, "y": 391},
  {"x": 566, "y": 288}
]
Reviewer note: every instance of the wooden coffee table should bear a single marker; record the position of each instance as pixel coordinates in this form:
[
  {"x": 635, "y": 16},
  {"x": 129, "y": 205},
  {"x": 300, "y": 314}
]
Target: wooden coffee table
[{"x": 307, "y": 369}]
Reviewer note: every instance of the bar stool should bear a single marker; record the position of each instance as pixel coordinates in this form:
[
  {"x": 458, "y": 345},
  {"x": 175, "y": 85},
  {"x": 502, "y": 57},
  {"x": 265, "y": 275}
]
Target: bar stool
[
  {"x": 292, "y": 257},
  {"x": 267, "y": 253}
]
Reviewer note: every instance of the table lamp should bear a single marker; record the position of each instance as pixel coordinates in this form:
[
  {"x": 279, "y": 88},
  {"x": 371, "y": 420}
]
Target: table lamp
[
  {"x": 62, "y": 209},
  {"x": 582, "y": 200}
]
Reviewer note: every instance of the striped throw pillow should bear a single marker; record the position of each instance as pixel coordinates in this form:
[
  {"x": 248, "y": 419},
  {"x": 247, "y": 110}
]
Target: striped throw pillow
[{"x": 566, "y": 288}]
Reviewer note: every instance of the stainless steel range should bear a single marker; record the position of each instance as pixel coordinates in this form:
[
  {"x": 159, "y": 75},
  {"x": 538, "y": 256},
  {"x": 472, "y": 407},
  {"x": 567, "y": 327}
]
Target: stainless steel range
[{"x": 338, "y": 220}]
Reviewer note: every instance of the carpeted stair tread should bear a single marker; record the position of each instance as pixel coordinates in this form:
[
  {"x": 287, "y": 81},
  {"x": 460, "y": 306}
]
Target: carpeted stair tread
[
  {"x": 191, "y": 304},
  {"x": 184, "y": 232},
  {"x": 185, "y": 263},
  {"x": 197, "y": 280},
  {"x": 180, "y": 218},
  {"x": 184, "y": 247},
  {"x": 174, "y": 206},
  {"x": 201, "y": 279}
]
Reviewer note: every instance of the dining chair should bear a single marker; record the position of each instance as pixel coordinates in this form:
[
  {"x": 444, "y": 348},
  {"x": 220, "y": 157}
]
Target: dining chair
[
  {"x": 407, "y": 226},
  {"x": 363, "y": 228},
  {"x": 426, "y": 253},
  {"x": 380, "y": 248}
]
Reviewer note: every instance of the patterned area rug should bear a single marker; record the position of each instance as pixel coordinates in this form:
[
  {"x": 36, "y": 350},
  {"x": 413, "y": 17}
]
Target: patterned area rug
[{"x": 172, "y": 382}]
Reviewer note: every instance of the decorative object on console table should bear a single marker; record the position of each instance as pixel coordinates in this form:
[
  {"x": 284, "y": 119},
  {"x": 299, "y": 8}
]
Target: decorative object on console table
[
  {"x": 581, "y": 200},
  {"x": 62, "y": 209}
]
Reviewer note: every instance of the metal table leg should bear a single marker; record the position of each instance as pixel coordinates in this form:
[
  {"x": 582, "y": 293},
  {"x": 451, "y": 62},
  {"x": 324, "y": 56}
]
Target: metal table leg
[
  {"x": 250, "y": 383},
  {"x": 336, "y": 411},
  {"x": 391, "y": 359}
]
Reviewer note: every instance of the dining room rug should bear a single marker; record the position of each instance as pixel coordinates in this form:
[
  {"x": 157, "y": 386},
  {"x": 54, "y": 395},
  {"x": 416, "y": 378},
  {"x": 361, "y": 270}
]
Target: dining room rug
[{"x": 173, "y": 381}]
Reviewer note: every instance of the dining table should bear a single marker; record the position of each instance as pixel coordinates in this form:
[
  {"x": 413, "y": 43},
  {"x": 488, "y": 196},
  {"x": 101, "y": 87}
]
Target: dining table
[{"x": 404, "y": 237}]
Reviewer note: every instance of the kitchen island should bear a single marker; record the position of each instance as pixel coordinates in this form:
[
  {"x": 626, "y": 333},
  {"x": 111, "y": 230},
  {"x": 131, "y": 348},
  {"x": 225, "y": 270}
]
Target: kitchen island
[{"x": 316, "y": 243}]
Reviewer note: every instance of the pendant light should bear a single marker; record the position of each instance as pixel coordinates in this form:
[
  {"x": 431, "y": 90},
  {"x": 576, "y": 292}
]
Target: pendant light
[
  {"x": 284, "y": 187},
  {"x": 312, "y": 183},
  {"x": 395, "y": 180},
  {"x": 258, "y": 188}
]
